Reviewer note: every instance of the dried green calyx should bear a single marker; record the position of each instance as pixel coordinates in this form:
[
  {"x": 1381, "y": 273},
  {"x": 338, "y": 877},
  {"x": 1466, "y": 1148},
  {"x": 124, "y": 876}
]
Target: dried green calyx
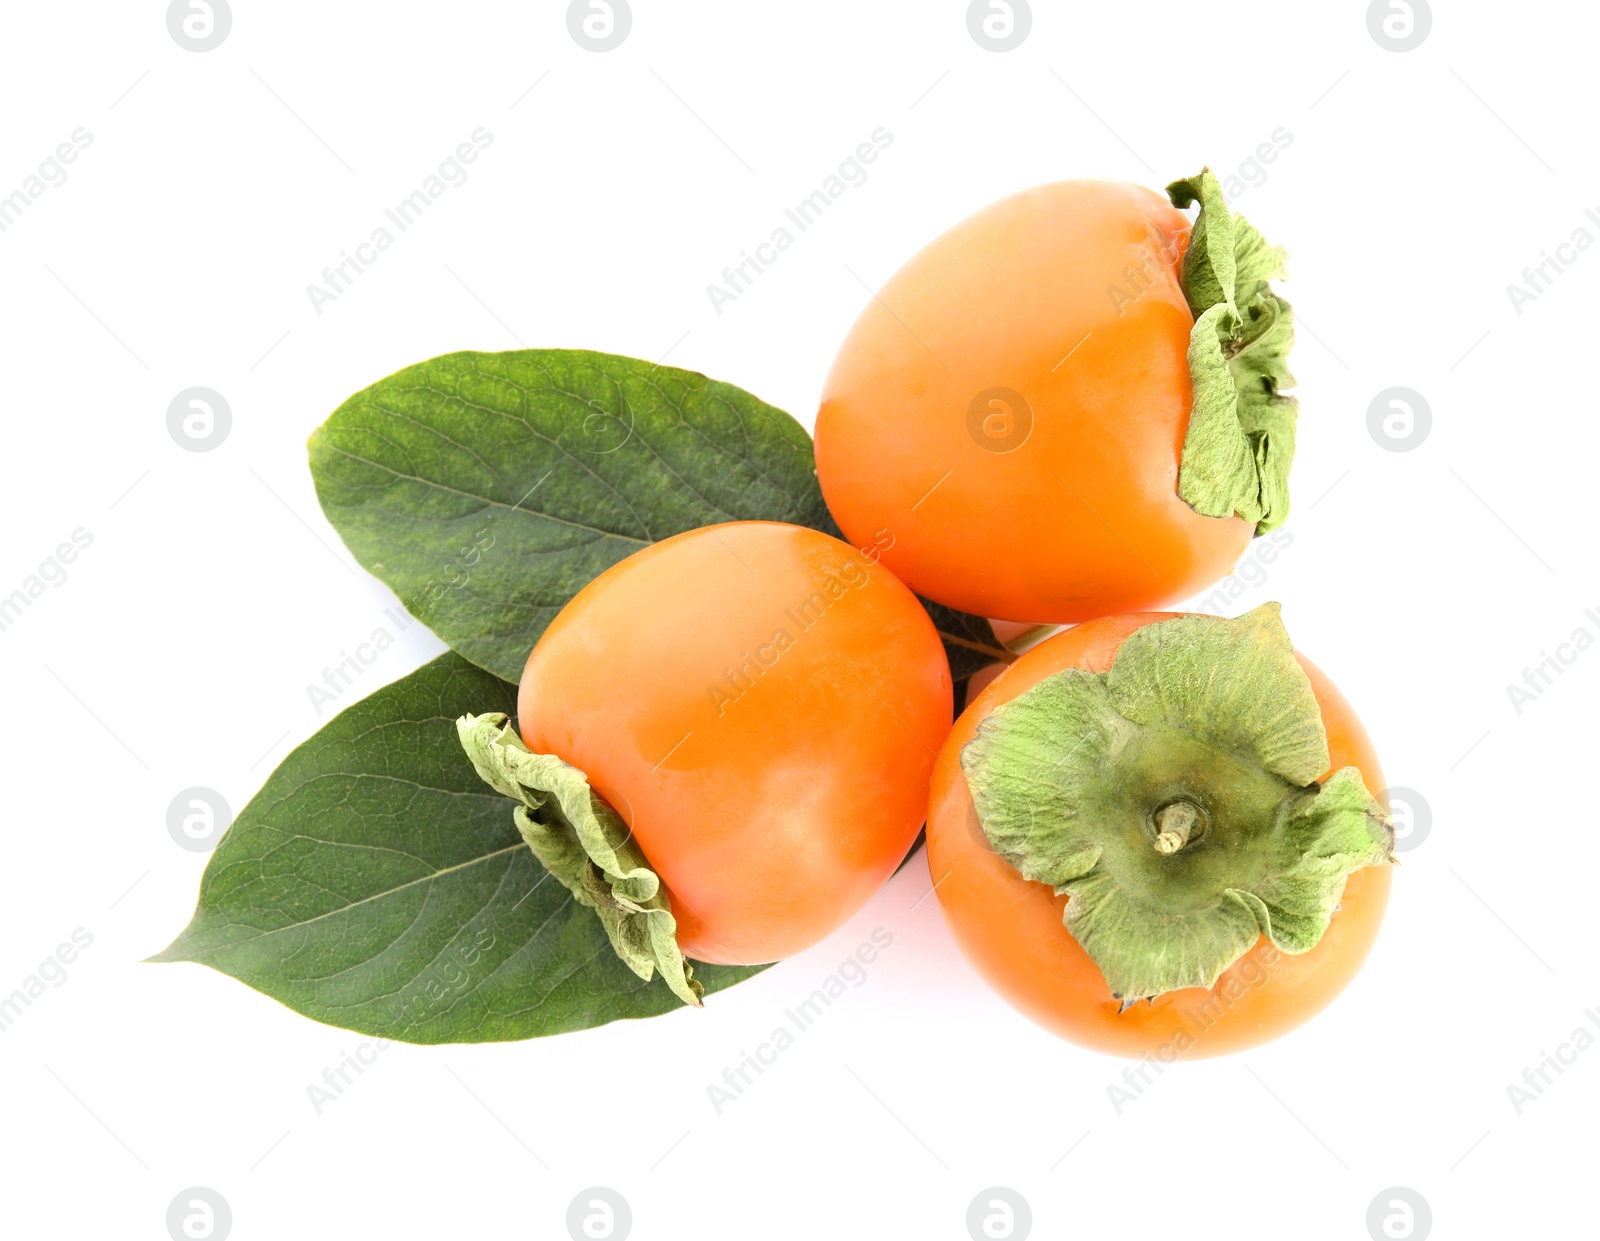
[
  {"x": 1240, "y": 442},
  {"x": 1175, "y": 800},
  {"x": 586, "y": 845}
]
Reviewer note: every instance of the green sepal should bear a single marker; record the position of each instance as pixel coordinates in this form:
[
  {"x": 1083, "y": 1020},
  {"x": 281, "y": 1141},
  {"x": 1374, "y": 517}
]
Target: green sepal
[
  {"x": 1068, "y": 777},
  {"x": 1328, "y": 832},
  {"x": 1234, "y": 684},
  {"x": 586, "y": 845},
  {"x": 1141, "y": 957},
  {"x": 1032, "y": 770},
  {"x": 1241, "y": 437}
]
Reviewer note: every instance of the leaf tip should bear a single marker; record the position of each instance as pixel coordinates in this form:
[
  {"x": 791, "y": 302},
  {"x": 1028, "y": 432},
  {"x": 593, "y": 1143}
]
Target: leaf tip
[{"x": 175, "y": 951}]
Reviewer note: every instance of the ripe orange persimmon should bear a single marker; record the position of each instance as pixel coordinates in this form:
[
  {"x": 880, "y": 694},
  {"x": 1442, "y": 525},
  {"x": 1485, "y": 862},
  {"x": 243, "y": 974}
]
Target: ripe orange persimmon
[
  {"x": 761, "y": 704},
  {"x": 1015, "y": 930},
  {"x": 1009, "y": 420}
]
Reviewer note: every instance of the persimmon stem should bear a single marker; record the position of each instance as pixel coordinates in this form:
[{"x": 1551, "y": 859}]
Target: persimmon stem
[
  {"x": 999, "y": 653},
  {"x": 1030, "y": 638},
  {"x": 1175, "y": 825},
  {"x": 1007, "y": 652}
]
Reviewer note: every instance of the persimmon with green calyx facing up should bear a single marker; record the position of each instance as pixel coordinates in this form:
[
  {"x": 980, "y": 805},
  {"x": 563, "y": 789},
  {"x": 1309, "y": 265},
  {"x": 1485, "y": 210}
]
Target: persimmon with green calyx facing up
[
  {"x": 1155, "y": 834},
  {"x": 1069, "y": 405},
  {"x": 723, "y": 743}
]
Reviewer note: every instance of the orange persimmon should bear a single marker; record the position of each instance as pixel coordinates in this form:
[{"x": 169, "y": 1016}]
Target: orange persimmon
[
  {"x": 1015, "y": 930},
  {"x": 1009, "y": 420},
  {"x": 761, "y": 705}
]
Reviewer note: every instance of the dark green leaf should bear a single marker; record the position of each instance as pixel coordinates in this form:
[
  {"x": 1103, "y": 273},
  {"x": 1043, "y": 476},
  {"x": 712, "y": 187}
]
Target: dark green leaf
[
  {"x": 486, "y": 489},
  {"x": 376, "y": 883},
  {"x": 969, "y": 643}
]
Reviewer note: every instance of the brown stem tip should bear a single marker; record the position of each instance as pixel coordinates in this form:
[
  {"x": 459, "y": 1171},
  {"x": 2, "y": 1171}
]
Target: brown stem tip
[{"x": 1176, "y": 825}]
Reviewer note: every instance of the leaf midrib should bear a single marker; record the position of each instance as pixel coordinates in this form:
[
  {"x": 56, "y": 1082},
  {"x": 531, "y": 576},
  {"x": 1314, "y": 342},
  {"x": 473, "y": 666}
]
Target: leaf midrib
[
  {"x": 376, "y": 896},
  {"x": 484, "y": 500}
]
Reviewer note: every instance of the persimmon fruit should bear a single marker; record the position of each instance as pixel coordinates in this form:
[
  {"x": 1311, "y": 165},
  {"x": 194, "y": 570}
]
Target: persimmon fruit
[
  {"x": 1170, "y": 956},
  {"x": 1067, "y": 406},
  {"x": 761, "y": 705}
]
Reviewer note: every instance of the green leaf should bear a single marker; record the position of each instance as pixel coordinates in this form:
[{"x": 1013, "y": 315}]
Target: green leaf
[
  {"x": 486, "y": 489},
  {"x": 969, "y": 643},
  {"x": 1172, "y": 799},
  {"x": 1241, "y": 438},
  {"x": 375, "y": 883}
]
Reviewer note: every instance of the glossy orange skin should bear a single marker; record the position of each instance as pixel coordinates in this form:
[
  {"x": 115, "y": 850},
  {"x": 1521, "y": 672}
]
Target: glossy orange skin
[
  {"x": 773, "y": 812},
  {"x": 1010, "y": 928},
  {"x": 1083, "y": 518}
]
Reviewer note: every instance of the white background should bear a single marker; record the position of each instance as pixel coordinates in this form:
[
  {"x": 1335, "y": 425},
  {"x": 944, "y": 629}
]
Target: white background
[{"x": 218, "y": 185}]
